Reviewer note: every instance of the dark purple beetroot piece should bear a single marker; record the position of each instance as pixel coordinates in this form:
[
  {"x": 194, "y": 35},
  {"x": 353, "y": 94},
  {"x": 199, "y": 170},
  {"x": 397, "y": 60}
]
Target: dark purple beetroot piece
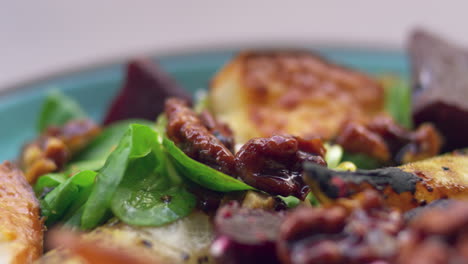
[
  {"x": 145, "y": 89},
  {"x": 246, "y": 235},
  {"x": 440, "y": 74}
]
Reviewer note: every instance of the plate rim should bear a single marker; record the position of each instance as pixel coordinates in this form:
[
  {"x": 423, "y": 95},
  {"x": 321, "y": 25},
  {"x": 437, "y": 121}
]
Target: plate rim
[{"x": 48, "y": 76}]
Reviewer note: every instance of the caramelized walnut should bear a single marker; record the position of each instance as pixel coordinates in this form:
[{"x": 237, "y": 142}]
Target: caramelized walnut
[
  {"x": 359, "y": 231},
  {"x": 191, "y": 135},
  {"x": 437, "y": 235},
  {"x": 55, "y": 147},
  {"x": 274, "y": 164},
  {"x": 385, "y": 140},
  {"x": 75, "y": 134},
  {"x": 220, "y": 130}
]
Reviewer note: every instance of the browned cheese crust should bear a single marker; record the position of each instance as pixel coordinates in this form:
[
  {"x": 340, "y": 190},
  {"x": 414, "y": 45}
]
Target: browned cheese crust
[
  {"x": 442, "y": 177},
  {"x": 290, "y": 92},
  {"x": 21, "y": 228}
]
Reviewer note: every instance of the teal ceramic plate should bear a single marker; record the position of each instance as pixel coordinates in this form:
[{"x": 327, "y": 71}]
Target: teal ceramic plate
[{"x": 95, "y": 88}]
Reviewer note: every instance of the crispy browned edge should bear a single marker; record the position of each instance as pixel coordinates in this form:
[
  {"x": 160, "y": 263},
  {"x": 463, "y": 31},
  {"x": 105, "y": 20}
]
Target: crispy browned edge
[{"x": 20, "y": 220}]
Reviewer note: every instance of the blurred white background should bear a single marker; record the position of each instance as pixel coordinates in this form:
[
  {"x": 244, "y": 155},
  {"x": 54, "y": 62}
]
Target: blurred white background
[{"x": 42, "y": 37}]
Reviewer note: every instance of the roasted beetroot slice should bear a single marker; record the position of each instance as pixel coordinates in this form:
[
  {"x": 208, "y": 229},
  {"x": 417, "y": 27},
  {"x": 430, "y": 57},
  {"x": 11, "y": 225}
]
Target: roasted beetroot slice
[
  {"x": 246, "y": 235},
  {"x": 146, "y": 88},
  {"x": 440, "y": 87}
]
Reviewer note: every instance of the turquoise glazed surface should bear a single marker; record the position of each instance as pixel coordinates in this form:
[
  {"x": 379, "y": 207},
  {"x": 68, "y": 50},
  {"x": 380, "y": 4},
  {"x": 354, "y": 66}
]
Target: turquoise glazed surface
[{"x": 95, "y": 88}]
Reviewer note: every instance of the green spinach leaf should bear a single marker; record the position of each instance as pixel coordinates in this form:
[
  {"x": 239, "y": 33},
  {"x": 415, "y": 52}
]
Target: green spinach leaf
[
  {"x": 57, "y": 110},
  {"x": 398, "y": 100},
  {"x": 290, "y": 201},
  {"x": 137, "y": 142},
  {"x": 102, "y": 145},
  {"x": 149, "y": 197},
  {"x": 57, "y": 202},
  {"x": 201, "y": 173},
  {"x": 47, "y": 181},
  {"x": 362, "y": 161}
]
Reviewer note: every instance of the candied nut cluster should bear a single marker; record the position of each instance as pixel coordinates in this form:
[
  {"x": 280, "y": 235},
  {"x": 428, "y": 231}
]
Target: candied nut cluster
[
  {"x": 274, "y": 164},
  {"x": 387, "y": 141},
  {"x": 355, "y": 231},
  {"x": 55, "y": 147},
  {"x": 220, "y": 130},
  {"x": 438, "y": 235},
  {"x": 191, "y": 135}
]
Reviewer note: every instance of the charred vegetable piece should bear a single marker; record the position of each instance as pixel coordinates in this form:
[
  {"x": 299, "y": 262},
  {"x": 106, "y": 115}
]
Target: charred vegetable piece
[
  {"x": 362, "y": 232},
  {"x": 245, "y": 235},
  {"x": 274, "y": 164},
  {"x": 21, "y": 228},
  {"x": 143, "y": 94},
  {"x": 263, "y": 93},
  {"x": 441, "y": 86},
  {"x": 404, "y": 187}
]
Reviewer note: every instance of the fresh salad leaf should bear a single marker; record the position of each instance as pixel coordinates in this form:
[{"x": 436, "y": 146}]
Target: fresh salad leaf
[
  {"x": 398, "y": 100},
  {"x": 74, "y": 219},
  {"x": 195, "y": 171},
  {"x": 147, "y": 198},
  {"x": 201, "y": 173},
  {"x": 47, "y": 182},
  {"x": 57, "y": 110},
  {"x": 290, "y": 201},
  {"x": 55, "y": 204},
  {"x": 202, "y": 101},
  {"x": 78, "y": 166},
  {"x": 102, "y": 145},
  {"x": 312, "y": 199},
  {"x": 137, "y": 142},
  {"x": 362, "y": 161},
  {"x": 333, "y": 155}
]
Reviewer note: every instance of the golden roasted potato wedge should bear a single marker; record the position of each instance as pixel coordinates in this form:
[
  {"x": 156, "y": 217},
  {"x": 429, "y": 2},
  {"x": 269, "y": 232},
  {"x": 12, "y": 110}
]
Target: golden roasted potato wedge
[
  {"x": 21, "y": 227},
  {"x": 262, "y": 93},
  {"x": 184, "y": 241}
]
